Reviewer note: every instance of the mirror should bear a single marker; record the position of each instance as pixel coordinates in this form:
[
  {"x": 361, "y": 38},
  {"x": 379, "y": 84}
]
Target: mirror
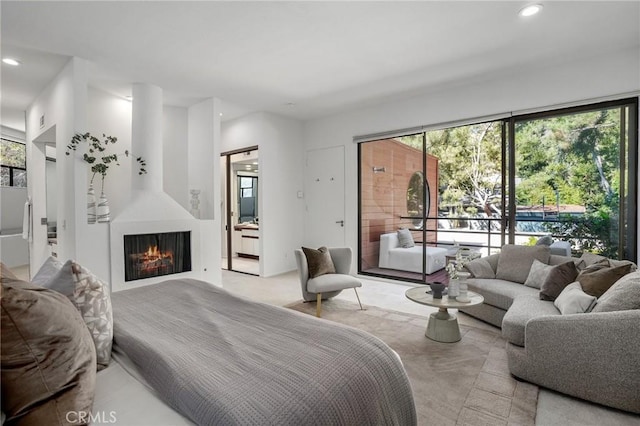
[
  {"x": 247, "y": 199},
  {"x": 416, "y": 198}
]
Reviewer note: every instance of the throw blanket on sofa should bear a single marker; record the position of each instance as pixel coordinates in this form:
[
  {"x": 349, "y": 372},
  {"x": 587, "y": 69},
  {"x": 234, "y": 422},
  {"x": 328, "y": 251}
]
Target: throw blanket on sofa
[{"x": 220, "y": 359}]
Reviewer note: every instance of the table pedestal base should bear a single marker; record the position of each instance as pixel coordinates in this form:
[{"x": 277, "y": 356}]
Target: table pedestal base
[{"x": 443, "y": 327}]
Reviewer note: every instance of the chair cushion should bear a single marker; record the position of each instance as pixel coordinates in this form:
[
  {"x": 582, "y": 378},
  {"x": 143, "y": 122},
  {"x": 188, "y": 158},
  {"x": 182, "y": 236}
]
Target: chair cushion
[
  {"x": 523, "y": 309},
  {"x": 332, "y": 282},
  {"x": 319, "y": 261}
]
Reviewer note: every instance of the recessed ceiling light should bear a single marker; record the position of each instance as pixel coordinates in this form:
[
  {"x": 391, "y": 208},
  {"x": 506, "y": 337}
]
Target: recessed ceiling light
[
  {"x": 530, "y": 10},
  {"x": 11, "y": 61},
  {"x": 220, "y": 114}
]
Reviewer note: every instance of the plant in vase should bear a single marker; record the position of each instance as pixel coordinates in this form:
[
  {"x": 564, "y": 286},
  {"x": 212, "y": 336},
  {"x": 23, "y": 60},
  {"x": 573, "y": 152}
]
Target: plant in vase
[
  {"x": 99, "y": 162},
  {"x": 458, "y": 278}
]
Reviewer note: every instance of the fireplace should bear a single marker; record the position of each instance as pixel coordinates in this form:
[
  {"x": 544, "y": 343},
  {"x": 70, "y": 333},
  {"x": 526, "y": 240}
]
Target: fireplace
[{"x": 154, "y": 255}]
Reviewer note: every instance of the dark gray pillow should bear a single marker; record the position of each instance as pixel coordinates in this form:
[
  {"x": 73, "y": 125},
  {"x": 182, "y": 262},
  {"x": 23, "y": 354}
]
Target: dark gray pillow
[
  {"x": 515, "y": 261},
  {"x": 319, "y": 261},
  {"x": 47, "y": 271},
  {"x": 48, "y": 358},
  {"x": 405, "y": 239},
  {"x": 546, "y": 240},
  {"x": 557, "y": 279},
  {"x": 622, "y": 296}
]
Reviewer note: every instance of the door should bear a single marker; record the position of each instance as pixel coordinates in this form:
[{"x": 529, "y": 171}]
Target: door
[{"x": 324, "y": 186}]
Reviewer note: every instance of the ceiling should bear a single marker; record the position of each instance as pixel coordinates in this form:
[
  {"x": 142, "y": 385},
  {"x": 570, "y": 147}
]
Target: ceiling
[{"x": 300, "y": 59}]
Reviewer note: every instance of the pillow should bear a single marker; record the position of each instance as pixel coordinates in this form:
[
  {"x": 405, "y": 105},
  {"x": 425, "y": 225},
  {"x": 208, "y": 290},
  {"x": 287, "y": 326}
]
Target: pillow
[
  {"x": 319, "y": 261},
  {"x": 515, "y": 261},
  {"x": 480, "y": 268},
  {"x": 546, "y": 240},
  {"x": 596, "y": 282},
  {"x": 7, "y": 275},
  {"x": 49, "y": 268},
  {"x": 91, "y": 297},
  {"x": 572, "y": 300},
  {"x": 622, "y": 296},
  {"x": 633, "y": 266},
  {"x": 48, "y": 358},
  {"x": 537, "y": 274},
  {"x": 557, "y": 279},
  {"x": 591, "y": 258},
  {"x": 405, "y": 239}
]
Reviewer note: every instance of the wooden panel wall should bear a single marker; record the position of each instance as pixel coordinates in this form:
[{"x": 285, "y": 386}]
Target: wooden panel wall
[{"x": 384, "y": 194}]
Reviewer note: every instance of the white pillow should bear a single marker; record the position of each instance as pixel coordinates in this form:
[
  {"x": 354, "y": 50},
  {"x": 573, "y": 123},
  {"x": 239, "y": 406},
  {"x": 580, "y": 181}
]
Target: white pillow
[
  {"x": 573, "y": 300},
  {"x": 405, "y": 239}
]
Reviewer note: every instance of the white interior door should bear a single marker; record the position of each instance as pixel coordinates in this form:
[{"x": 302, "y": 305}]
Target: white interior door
[{"x": 324, "y": 186}]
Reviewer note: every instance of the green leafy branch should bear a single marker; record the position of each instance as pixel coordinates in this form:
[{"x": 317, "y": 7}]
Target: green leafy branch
[{"x": 94, "y": 156}]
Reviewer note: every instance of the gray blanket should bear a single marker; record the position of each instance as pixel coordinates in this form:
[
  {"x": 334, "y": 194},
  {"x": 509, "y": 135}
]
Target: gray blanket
[{"x": 223, "y": 360}]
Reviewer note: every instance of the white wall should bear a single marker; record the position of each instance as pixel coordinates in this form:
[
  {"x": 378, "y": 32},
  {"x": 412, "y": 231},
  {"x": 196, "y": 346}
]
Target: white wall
[
  {"x": 63, "y": 103},
  {"x": 280, "y": 149},
  {"x": 615, "y": 73},
  {"x": 204, "y": 142},
  {"x": 175, "y": 154}
]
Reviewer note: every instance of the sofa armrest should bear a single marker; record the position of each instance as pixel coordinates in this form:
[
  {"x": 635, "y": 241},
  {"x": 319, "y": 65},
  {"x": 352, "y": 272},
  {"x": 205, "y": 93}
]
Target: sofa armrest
[{"x": 594, "y": 355}]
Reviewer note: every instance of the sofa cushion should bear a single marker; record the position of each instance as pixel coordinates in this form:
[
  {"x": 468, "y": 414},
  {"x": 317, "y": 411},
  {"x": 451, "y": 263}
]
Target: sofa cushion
[
  {"x": 573, "y": 300},
  {"x": 480, "y": 268},
  {"x": 623, "y": 295},
  {"x": 523, "y": 309},
  {"x": 557, "y": 279},
  {"x": 591, "y": 258},
  {"x": 48, "y": 357},
  {"x": 499, "y": 293},
  {"x": 515, "y": 261},
  {"x": 405, "y": 239},
  {"x": 597, "y": 282},
  {"x": 319, "y": 261},
  {"x": 537, "y": 274}
]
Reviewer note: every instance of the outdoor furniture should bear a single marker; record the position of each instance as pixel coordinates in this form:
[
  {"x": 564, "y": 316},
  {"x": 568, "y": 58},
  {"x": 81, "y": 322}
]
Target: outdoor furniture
[{"x": 392, "y": 256}]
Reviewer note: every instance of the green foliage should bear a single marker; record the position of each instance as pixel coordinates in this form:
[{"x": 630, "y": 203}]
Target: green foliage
[
  {"x": 593, "y": 232},
  {"x": 13, "y": 154},
  {"x": 95, "y": 147}
]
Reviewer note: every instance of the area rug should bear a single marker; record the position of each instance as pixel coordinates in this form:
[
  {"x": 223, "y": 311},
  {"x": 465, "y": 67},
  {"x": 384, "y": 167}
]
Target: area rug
[{"x": 462, "y": 383}]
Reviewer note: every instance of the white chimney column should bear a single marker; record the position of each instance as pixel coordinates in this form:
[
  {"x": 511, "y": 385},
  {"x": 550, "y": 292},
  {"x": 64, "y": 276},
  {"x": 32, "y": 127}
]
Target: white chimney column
[{"x": 146, "y": 137}]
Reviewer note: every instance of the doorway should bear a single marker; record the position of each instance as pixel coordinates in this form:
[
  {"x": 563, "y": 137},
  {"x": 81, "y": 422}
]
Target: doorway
[{"x": 241, "y": 215}]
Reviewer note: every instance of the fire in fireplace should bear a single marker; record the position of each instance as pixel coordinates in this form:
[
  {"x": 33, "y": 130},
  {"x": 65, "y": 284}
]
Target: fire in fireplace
[{"x": 154, "y": 255}]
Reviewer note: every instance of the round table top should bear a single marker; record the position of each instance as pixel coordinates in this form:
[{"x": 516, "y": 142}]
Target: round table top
[{"x": 420, "y": 295}]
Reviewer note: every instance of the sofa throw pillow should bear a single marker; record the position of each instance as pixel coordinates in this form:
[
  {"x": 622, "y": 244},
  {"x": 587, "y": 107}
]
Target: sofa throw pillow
[
  {"x": 545, "y": 240},
  {"x": 557, "y": 279},
  {"x": 597, "y": 282},
  {"x": 572, "y": 300},
  {"x": 632, "y": 266},
  {"x": 622, "y": 296},
  {"x": 405, "y": 239},
  {"x": 91, "y": 297},
  {"x": 480, "y": 268},
  {"x": 47, "y": 356},
  {"x": 49, "y": 268},
  {"x": 537, "y": 274},
  {"x": 319, "y": 261},
  {"x": 515, "y": 261}
]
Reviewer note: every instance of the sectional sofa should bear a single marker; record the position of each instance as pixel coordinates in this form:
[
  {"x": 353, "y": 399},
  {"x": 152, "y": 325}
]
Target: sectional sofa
[{"x": 593, "y": 355}]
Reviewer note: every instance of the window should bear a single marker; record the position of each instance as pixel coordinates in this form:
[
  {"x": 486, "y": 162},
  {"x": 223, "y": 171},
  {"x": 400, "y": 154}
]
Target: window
[
  {"x": 13, "y": 163},
  {"x": 569, "y": 173}
]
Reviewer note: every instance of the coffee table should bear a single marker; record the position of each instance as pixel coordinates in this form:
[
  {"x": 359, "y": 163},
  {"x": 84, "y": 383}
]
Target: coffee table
[{"x": 443, "y": 326}]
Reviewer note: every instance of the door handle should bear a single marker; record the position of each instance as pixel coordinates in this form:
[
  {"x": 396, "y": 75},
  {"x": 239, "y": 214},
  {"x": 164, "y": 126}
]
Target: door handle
[{"x": 341, "y": 222}]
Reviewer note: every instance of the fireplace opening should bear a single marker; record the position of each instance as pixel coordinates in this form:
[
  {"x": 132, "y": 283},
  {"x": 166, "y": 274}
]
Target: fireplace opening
[{"x": 154, "y": 255}]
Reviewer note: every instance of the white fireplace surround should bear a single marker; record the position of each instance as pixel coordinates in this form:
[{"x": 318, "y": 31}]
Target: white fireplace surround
[{"x": 150, "y": 213}]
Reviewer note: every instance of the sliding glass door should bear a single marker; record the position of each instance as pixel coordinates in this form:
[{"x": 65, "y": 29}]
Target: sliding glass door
[{"x": 569, "y": 173}]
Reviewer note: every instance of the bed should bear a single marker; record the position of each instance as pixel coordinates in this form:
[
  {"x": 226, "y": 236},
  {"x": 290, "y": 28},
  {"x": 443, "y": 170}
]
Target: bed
[
  {"x": 216, "y": 358},
  {"x": 392, "y": 256}
]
